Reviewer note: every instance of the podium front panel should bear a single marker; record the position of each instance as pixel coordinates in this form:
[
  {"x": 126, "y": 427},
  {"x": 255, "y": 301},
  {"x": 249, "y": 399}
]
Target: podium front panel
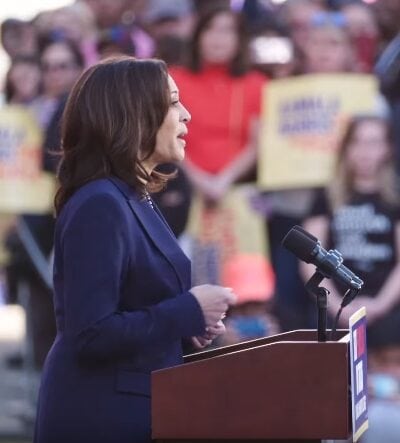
[{"x": 291, "y": 390}]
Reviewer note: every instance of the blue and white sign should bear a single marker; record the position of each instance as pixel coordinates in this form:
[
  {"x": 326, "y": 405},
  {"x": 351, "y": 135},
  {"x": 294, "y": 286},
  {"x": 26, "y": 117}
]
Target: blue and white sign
[{"x": 359, "y": 388}]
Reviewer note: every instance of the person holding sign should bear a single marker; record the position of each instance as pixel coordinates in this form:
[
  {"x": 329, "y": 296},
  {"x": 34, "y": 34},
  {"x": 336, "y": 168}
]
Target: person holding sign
[{"x": 123, "y": 296}]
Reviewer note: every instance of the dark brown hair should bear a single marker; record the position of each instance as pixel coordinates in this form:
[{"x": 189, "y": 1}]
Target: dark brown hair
[
  {"x": 239, "y": 64},
  {"x": 341, "y": 188},
  {"x": 110, "y": 125},
  {"x": 74, "y": 50},
  {"x": 9, "y": 87}
]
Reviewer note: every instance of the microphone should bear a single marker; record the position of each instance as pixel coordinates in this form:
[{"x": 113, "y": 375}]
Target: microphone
[{"x": 329, "y": 263}]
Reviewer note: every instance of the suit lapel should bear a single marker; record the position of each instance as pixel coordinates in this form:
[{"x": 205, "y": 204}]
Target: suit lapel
[
  {"x": 163, "y": 219},
  {"x": 157, "y": 229}
]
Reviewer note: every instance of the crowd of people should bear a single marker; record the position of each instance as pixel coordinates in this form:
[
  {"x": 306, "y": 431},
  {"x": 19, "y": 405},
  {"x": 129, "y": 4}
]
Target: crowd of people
[{"x": 222, "y": 55}]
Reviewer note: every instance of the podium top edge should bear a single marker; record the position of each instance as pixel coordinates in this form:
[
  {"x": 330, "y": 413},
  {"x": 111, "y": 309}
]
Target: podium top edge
[{"x": 283, "y": 338}]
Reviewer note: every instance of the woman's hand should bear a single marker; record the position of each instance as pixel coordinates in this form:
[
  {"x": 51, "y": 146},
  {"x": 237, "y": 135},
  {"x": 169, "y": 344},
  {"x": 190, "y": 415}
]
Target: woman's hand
[
  {"x": 217, "y": 187},
  {"x": 214, "y": 301},
  {"x": 212, "y": 332},
  {"x": 212, "y": 187}
]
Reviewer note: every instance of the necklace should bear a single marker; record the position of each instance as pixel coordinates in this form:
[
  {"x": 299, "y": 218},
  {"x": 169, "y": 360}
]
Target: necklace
[{"x": 148, "y": 199}]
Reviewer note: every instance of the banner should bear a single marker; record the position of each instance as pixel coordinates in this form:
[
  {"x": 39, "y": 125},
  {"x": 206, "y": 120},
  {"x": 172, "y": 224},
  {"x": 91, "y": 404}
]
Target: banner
[
  {"x": 229, "y": 245},
  {"x": 302, "y": 121},
  {"x": 23, "y": 185},
  {"x": 358, "y": 372}
]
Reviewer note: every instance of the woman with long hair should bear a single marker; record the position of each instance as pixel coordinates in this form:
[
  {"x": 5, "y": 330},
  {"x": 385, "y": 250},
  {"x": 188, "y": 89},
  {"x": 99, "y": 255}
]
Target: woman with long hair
[
  {"x": 123, "y": 297},
  {"x": 359, "y": 215},
  {"x": 225, "y": 99}
]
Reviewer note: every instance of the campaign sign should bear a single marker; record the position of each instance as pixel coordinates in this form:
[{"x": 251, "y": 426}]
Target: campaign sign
[
  {"x": 221, "y": 254},
  {"x": 302, "y": 122},
  {"x": 358, "y": 372},
  {"x": 24, "y": 187}
]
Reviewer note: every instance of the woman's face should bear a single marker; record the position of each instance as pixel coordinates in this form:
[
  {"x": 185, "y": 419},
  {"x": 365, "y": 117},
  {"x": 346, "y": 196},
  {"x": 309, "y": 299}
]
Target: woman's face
[
  {"x": 369, "y": 149},
  {"x": 219, "y": 42},
  {"x": 328, "y": 51},
  {"x": 25, "y": 78},
  {"x": 170, "y": 143},
  {"x": 60, "y": 69}
]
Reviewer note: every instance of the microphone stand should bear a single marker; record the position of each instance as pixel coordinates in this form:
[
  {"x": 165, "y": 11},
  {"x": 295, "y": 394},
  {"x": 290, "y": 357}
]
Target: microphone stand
[{"x": 321, "y": 294}]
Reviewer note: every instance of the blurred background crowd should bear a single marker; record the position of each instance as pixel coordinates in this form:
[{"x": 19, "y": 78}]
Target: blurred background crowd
[{"x": 223, "y": 56}]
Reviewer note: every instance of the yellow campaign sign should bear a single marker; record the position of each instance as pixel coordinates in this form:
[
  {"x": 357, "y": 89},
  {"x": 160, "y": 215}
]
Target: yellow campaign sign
[
  {"x": 229, "y": 245},
  {"x": 23, "y": 185},
  {"x": 302, "y": 121}
]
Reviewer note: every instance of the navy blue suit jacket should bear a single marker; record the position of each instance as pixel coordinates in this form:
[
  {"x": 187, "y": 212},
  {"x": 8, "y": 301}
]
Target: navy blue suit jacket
[{"x": 122, "y": 308}]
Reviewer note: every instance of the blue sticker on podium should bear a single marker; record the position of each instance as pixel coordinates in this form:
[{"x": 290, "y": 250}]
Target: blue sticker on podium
[{"x": 358, "y": 375}]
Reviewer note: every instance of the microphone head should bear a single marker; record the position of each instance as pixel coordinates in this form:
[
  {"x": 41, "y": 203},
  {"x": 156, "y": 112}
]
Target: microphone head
[
  {"x": 301, "y": 243},
  {"x": 306, "y": 233}
]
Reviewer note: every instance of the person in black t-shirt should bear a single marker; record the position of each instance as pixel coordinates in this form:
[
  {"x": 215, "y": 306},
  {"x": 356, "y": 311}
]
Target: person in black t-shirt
[{"x": 359, "y": 215}]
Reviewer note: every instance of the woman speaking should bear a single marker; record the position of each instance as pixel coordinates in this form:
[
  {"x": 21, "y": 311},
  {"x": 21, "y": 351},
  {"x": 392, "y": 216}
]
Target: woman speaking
[{"x": 123, "y": 300}]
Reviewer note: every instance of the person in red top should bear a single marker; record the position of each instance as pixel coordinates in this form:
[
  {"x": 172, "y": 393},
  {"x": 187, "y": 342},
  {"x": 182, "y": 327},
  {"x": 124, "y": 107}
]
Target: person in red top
[{"x": 225, "y": 100}]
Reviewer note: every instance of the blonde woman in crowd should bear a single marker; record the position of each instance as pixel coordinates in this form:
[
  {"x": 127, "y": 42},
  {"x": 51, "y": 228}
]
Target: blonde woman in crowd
[{"x": 359, "y": 214}]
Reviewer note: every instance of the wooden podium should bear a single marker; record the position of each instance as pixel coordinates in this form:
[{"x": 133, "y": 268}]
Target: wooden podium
[{"x": 283, "y": 388}]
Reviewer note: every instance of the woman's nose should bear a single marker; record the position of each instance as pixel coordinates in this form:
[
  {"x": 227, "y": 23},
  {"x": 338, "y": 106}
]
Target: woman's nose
[{"x": 185, "y": 115}]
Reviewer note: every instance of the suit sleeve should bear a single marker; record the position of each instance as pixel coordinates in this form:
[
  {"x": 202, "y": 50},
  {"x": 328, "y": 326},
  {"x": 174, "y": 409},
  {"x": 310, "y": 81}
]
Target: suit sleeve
[{"x": 94, "y": 247}]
